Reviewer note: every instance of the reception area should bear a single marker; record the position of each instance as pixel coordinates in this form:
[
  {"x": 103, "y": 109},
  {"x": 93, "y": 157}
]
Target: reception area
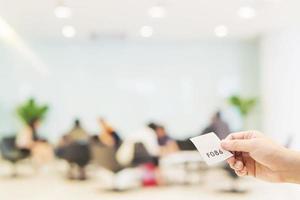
[{"x": 99, "y": 99}]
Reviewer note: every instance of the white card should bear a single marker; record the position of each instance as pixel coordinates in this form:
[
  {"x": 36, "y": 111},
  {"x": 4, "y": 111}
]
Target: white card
[{"x": 209, "y": 146}]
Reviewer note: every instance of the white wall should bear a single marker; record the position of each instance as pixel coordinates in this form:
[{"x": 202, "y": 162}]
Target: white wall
[
  {"x": 280, "y": 61},
  {"x": 129, "y": 82}
]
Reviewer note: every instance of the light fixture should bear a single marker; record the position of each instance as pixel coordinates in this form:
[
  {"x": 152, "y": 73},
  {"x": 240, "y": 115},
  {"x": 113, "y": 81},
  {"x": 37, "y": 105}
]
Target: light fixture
[
  {"x": 62, "y": 11},
  {"x": 221, "y": 31},
  {"x": 272, "y": 1},
  {"x": 146, "y": 31},
  {"x": 157, "y": 12},
  {"x": 247, "y": 12},
  {"x": 68, "y": 31}
]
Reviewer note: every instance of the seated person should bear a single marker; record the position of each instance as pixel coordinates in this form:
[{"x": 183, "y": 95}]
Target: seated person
[
  {"x": 141, "y": 149},
  {"x": 42, "y": 153},
  {"x": 222, "y": 130},
  {"x": 108, "y": 135},
  {"x": 167, "y": 145},
  {"x": 142, "y": 144},
  {"x": 29, "y": 143},
  {"x": 74, "y": 148},
  {"x": 77, "y": 133},
  {"x": 24, "y": 140},
  {"x": 218, "y": 126}
]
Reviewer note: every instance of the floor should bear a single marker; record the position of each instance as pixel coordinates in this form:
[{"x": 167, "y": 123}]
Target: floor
[{"x": 50, "y": 184}]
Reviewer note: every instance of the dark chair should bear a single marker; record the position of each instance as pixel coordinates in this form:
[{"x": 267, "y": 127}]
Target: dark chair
[
  {"x": 12, "y": 153},
  {"x": 105, "y": 157},
  {"x": 142, "y": 156},
  {"x": 185, "y": 145},
  {"x": 75, "y": 153}
]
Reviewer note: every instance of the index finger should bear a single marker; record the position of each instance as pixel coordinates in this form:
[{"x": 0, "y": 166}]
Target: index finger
[{"x": 241, "y": 135}]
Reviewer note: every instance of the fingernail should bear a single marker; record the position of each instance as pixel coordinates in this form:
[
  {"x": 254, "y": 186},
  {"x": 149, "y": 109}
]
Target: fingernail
[{"x": 238, "y": 165}]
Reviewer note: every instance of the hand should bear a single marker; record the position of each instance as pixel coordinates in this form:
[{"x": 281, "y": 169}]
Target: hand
[{"x": 258, "y": 156}]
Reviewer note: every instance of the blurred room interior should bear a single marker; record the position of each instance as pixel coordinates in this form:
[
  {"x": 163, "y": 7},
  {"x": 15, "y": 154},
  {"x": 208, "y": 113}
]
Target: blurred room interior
[{"x": 99, "y": 97}]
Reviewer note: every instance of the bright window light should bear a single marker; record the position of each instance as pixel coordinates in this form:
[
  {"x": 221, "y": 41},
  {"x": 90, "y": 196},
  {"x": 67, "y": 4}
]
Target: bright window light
[
  {"x": 221, "y": 31},
  {"x": 146, "y": 31},
  {"x": 247, "y": 12},
  {"x": 157, "y": 12},
  {"x": 6, "y": 31},
  {"x": 68, "y": 31},
  {"x": 62, "y": 12},
  {"x": 10, "y": 36}
]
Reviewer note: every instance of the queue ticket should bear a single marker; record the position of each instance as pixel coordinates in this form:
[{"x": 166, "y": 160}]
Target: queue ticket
[{"x": 209, "y": 146}]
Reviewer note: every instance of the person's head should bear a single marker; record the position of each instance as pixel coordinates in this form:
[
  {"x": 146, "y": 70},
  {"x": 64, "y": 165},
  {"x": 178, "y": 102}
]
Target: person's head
[
  {"x": 77, "y": 123},
  {"x": 95, "y": 138},
  {"x": 160, "y": 131},
  {"x": 152, "y": 125},
  {"x": 216, "y": 116}
]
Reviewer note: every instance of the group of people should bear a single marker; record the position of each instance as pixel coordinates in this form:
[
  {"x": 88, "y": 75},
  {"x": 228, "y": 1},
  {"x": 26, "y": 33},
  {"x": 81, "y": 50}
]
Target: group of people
[
  {"x": 41, "y": 152},
  {"x": 255, "y": 154},
  {"x": 75, "y": 145},
  {"x": 153, "y": 142}
]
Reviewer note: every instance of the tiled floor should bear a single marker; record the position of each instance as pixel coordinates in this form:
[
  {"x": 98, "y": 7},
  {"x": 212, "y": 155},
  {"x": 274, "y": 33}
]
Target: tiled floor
[{"x": 52, "y": 185}]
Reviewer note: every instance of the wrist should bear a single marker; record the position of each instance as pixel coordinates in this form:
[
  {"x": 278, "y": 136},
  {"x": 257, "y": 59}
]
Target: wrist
[{"x": 290, "y": 162}]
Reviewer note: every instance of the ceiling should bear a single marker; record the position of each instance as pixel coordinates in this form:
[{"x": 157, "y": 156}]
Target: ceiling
[{"x": 185, "y": 19}]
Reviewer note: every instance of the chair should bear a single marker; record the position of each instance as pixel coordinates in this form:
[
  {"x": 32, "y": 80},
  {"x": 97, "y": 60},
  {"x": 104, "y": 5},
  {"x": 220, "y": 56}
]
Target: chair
[
  {"x": 12, "y": 153},
  {"x": 122, "y": 177},
  {"x": 185, "y": 145},
  {"x": 141, "y": 155},
  {"x": 105, "y": 157},
  {"x": 75, "y": 153}
]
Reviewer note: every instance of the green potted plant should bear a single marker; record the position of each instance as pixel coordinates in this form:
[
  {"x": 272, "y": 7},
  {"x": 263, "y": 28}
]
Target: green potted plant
[
  {"x": 30, "y": 112},
  {"x": 243, "y": 105}
]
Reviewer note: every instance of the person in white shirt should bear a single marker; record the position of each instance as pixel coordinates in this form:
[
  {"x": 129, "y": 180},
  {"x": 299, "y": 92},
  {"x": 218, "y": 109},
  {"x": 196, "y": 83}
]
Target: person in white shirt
[{"x": 146, "y": 136}]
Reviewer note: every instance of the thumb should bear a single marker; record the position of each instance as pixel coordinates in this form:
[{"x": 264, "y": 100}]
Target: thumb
[{"x": 237, "y": 145}]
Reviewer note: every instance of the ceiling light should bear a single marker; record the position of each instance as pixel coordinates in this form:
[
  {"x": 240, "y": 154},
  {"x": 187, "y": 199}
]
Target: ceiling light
[
  {"x": 62, "y": 11},
  {"x": 273, "y": 1},
  {"x": 157, "y": 12},
  {"x": 221, "y": 31},
  {"x": 247, "y": 12},
  {"x": 146, "y": 31},
  {"x": 68, "y": 31}
]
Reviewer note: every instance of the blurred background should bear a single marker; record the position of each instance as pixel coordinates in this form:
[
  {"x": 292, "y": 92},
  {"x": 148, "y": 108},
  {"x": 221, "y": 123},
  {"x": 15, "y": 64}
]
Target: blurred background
[{"x": 99, "y": 98}]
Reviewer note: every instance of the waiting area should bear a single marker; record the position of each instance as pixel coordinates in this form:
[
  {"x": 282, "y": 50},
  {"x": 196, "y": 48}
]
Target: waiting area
[{"x": 149, "y": 99}]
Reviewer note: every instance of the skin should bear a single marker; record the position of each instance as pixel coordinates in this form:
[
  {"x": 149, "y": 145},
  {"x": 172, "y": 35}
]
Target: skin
[
  {"x": 258, "y": 156},
  {"x": 105, "y": 135}
]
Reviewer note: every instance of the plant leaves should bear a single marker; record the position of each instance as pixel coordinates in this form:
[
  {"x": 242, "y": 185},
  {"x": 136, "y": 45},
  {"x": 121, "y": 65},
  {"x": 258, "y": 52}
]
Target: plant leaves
[
  {"x": 244, "y": 105},
  {"x": 30, "y": 111}
]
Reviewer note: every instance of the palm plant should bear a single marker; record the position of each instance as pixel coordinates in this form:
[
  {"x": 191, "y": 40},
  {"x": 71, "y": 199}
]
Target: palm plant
[
  {"x": 243, "y": 105},
  {"x": 30, "y": 112}
]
